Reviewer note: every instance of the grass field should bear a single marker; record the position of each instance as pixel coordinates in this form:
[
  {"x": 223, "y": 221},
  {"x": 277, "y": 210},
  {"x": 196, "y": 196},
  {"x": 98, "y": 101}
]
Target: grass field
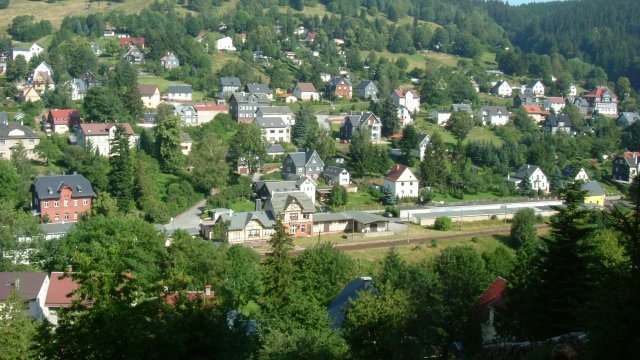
[{"x": 164, "y": 83}]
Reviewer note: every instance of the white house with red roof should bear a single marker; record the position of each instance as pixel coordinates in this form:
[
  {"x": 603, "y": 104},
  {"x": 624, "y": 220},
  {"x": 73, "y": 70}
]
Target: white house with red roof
[
  {"x": 401, "y": 182},
  {"x": 101, "y": 135},
  {"x": 602, "y": 100},
  {"x": 554, "y": 103},
  {"x": 61, "y": 121},
  {"x": 407, "y": 98},
  {"x": 60, "y": 294},
  {"x": 536, "y": 112},
  {"x": 485, "y": 307},
  {"x": 306, "y": 92},
  {"x": 206, "y": 113},
  {"x": 139, "y": 42}
]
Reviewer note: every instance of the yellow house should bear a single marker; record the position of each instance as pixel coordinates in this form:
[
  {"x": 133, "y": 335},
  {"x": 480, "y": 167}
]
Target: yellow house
[{"x": 595, "y": 194}]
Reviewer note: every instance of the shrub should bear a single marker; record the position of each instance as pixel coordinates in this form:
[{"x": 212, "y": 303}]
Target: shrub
[
  {"x": 443, "y": 223},
  {"x": 395, "y": 212},
  {"x": 494, "y": 217},
  {"x": 475, "y": 239},
  {"x": 4, "y": 4}
]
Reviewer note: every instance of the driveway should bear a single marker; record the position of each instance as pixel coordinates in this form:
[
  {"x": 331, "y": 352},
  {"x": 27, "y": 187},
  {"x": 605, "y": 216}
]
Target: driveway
[{"x": 189, "y": 219}]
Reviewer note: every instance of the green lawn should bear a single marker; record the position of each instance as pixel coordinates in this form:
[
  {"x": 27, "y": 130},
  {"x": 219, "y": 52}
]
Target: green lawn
[
  {"x": 483, "y": 134},
  {"x": 163, "y": 84},
  {"x": 243, "y": 205}
]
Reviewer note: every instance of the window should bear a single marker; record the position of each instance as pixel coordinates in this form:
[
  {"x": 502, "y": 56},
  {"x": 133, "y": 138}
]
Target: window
[
  {"x": 305, "y": 216},
  {"x": 55, "y": 203},
  {"x": 85, "y": 202},
  {"x": 303, "y": 229},
  {"x": 66, "y": 216},
  {"x": 293, "y": 216},
  {"x": 402, "y": 183},
  {"x": 46, "y": 204},
  {"x": 75, "y": 216},
  {"x": 56, "y": 217},
  {"x": 66, "y": 203},
  {"x": 253, "y": 233},
  {"x": 293, "y": 229},
  {"x": 1, "y": 142}
]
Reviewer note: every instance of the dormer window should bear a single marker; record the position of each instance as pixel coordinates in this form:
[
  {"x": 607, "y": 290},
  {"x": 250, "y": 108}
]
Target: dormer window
[{"x": 79, "y": 187}]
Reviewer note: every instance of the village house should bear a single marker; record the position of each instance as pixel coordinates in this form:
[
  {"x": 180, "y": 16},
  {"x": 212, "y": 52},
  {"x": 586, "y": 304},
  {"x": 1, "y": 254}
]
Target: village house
[
  {"x": 12, "y": 135},
  {"x": 137, "y": 42},
  {"x": 31, "y": 287},
  {"x": 78, "y": 89},
  {"x": 243, "y": 106},
  {"x": 340, "y": 87},
  {"x": 187, "y": 114},
  {"x": 359, "y": 121},
  {"x": 185, "y": 143},
  {"x": 349, "y": 222},
  {"x": 133, "y": 55},
  {"x": 423, "y": 141},
  {"x": 241, "y": 227},
  {"x": 535, "y": 88},
  {"x": 265, "y": 189},
  {"x": 150, "y": 95},
  {"x": 306, "y": 92},
  {"x": 595, "y": 195},
  {"x": 404, "y": 116},
  {"x": 554, "y": 103},
  {"x": 602, "y": 100},
  {"x": 282, "y": 112},
  {"x": 407, "y": 98},
  {"x": 336, "y": 175},
  {"x": 225, "y": 44},
  {"x": 575, "y": 173},
  {"x": 440, "y": 117},
  {"x": 61, "y": 198},
  {"x": 90, "y": 80},
  {"x": 536, "y": 112},
  {"x": 179, "y": 92},
  {"x": 29, "y": 94},
  {"x": 34, "y": 50},
  {"x": 487, "y": 306},
  {"x": 522, "y": 100},
  {"x": 536, "y": 177},
  {"x": 41, "y": 78},
  {"x": 502, "y": 88},
  {"x": 101, "y": 136},
  {"x": 627, "y": 118},
  {"x": 60, "y": 295},
  {"x": 572, "y": 91},
  {"x": 206, "y": 113},
  {"x": 275, "y": 150},
  {"x": 494, "y": 115},
  {"x": 304, "y": 163},
  {"x": 97, "y": 51},
  {"x": 401, "y": 182},
  {"x": 61, "y": 121},
  {"x": 274, "y": 129},
  {"x": 625, "y": 167},
  {"x": 325, "y": 77},
  {"x": 557, "y": 123},
  {"x": 367, "y": 89},
  {"x": 259, "y": 88},
  {"x": 295, "y": 210},
  {"x": 227, "y": 85},
  {"x": 170, "y": 61}
]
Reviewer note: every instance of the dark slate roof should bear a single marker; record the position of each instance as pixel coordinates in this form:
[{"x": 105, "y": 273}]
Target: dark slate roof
[
  {"x": 246, "y": 97},
  {"x": 333, "y": 170},
  {"x": 552, "y": 120},
  {"x": 6, "y": 129},
  {"x": 186, "y": 138},
  {"x": 629, "y": 118},
  {"x": 358, "y": 216},
  {"x": 350, "y": 292},
  {"x": 461, "y": 107},
  {"x": 265, "y": 189},
  {"x": 280, "y": 201},
  {"x": 4, "y": 118},
  {"x": 495, "y": 110},
  {"x": 238, "y": 221},
  {"x": 301, "y": 158},
  {"x": 593, "y": 188},
  {"x": 271, "y": 122},
  {"x": 230, "y": 81},
  {"x": 423, "y": 137},
  {"x": 48, "y": 187},
  {"x": 258, "y": 88},
  {"x": 525, "y": 171},
  {"x": 357, "y": 120},
  {"x": 533, "y": 83},
  {"x": 29, "y": 284},
  {"x": 334, "y": 82},
  {"x": 275, "y": 149},
  {"x": 179, "y": 89},
  {"x": 364, "y": 83},
  {"x": 275, "y": 110}
]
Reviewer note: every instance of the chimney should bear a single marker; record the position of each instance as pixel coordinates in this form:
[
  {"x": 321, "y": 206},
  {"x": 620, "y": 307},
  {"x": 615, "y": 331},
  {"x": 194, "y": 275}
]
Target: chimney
[
  {"x": 366, "y": 282},
  {"x": 207, "y": 290},
  {"x": 69, "y": 269},
  {"x": 397, "y": 167}
]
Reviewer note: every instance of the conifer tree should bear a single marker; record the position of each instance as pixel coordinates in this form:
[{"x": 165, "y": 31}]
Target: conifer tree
[
  {"x": 434, "y": 168},
  {"x": 278, "y": 269},
  {"x": 121, "y": 176},
  {"x": 168, "y": 137}
]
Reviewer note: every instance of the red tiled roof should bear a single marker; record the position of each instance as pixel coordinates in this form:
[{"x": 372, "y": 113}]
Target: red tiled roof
[
  {"x": 491, "y": 296},
  {"x": 597, "y": 92},
  {"x": 535, "y": 109},
  {"x": 306, "y": 87},
  {"x": 395, "y": 173},
  {"x": 60, "y": 289},
  {"x": 224, "y": 107},
  {"x": 64, "y": 113},
  {"x": 629, "y": 154},
  {"x": 171, "y": 299},
  {"x": 402, "y": 92},
  {"x": 103, "y": 129},
  {"x": 396, "y": 136},
  {"x": 556, "y": 100},
  {"x": 132, "y": 41}
]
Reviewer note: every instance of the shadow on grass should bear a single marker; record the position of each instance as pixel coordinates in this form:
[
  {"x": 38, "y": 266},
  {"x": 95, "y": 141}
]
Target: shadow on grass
[{"x": 504, "y": 239}]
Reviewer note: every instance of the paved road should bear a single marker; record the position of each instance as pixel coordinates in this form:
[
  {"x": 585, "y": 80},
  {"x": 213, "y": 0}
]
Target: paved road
[{"x": 189, "y": 219}]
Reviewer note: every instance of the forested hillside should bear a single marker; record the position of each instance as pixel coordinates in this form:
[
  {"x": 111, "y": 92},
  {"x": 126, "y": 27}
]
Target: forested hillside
[{"x": 602, "y": 32}]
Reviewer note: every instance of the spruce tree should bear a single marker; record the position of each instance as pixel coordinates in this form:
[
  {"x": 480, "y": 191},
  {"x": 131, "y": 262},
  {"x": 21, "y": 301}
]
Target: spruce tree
[
  {"x": 388, "y": 111},
  {"x": 434, "y": 169},
  {"x": 121, "y": 176},
  {"x": 278, "y": 269},
  {"x": 409, "y": 141},
  {"x": 168, "y": 137}
]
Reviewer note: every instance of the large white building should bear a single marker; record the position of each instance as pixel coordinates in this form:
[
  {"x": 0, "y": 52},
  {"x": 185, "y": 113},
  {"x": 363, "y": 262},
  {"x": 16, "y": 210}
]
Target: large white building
[
  {"x": 401, "y": 182},
  {"x": 101, "y": 135},
  {"x": 32, "y": 51},
  {"x": 225, "y": 44},
  {"x": 407, "y": 98}
]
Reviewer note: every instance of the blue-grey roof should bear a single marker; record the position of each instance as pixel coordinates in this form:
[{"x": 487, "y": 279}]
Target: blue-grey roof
[
  {"x": 280, "y": 201},
  {"x": 593, "y": 188},
  {"x": 275, "y": 110},
  {"x": 301, "y": 158},
  {"x": 553, "y": 120},
  {"x": 461, "y": 107},
  {"x": 247, "y": 97},
  {"x": 179, "y": 89},
  {"x": 333, "y": 170},
  {"x": 350, "y": 292},
  {"x": 525, "y": 171},
  {"x": 275, "y": 149},
  {"x": 258, "y": 88},
  {"x": 271, "y": 122},
  {"x": 357, "y": 120},
  {"x": 239, "y": 221},
  {"x": 4, "y": 118},
  {"x": 27, "y": 132},
  {"x": 230, "y": 81},
  {"x": 364, "y": 83},
  {"x": 48, "y": 187}
]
